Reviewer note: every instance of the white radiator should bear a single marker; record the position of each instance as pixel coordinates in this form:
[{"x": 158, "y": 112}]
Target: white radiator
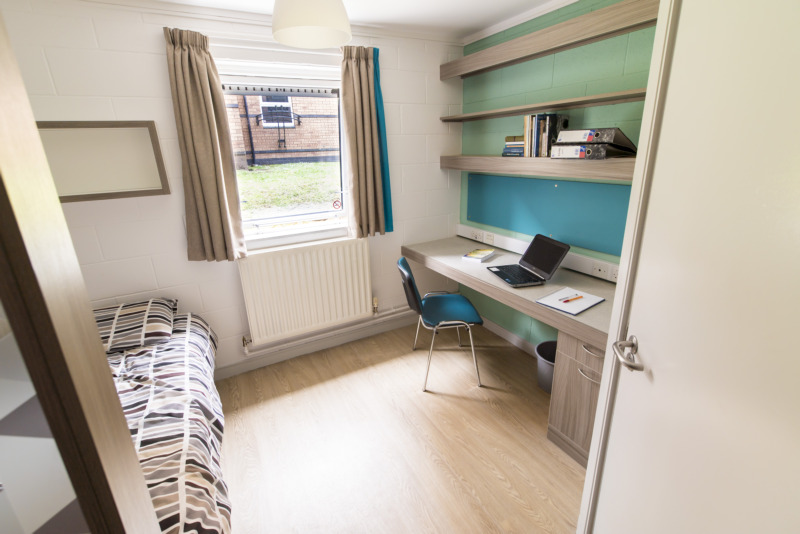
[{"x": 298, "y": 290}]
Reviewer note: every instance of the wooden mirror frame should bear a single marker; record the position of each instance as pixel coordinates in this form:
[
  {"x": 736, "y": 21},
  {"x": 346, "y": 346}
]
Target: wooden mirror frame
[{"x": 150, "y": 185}]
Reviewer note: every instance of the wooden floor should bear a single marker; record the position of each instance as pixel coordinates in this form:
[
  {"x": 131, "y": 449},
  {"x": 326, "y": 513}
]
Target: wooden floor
[{"x": 345, "y": 441}]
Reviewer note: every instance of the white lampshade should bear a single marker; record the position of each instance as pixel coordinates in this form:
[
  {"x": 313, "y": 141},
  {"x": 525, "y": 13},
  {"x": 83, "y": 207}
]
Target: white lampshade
[{"x": 310, "y": 23}]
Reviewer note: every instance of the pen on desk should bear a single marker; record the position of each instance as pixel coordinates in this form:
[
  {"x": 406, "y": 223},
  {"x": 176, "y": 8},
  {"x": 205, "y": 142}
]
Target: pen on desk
[
  {"x": 573, "y": 298},
  {"x": 565, "y": 299}
]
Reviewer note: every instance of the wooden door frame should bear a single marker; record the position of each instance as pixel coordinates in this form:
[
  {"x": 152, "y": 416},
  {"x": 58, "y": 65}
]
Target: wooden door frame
[
  {"x": 48, "y": 308},
  {"x": 660, "y": 68}
]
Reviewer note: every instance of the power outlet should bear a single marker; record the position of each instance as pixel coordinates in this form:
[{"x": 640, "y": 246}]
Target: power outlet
[
  {"x": 600, "y": 270},
  {"x": 488, "y": 238},
  {"x": 476, "y": 235},
  {"x": 614, "y": 274}
]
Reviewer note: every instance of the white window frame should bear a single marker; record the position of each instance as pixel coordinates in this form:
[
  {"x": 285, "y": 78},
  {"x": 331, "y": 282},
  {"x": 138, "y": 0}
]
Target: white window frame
[
  {"x": 344, "y": 228},
  {"x": 265, "y": 106}
]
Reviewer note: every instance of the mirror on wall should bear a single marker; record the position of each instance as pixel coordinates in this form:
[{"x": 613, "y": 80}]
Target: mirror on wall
[{"x": 98, "y": 160}]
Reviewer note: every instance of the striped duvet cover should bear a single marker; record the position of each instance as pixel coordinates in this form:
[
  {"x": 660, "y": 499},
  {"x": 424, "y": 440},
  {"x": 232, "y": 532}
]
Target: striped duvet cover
[{"x": 175, "y": 417}]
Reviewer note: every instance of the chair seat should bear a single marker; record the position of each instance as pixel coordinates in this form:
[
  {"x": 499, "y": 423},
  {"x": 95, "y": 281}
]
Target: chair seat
[{"x": 452, "y": 307}]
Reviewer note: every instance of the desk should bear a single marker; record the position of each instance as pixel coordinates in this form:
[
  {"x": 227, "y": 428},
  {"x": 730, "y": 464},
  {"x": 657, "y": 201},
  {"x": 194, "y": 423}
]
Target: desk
[
  {"x": 575, "y": 392},
  {"x": 444, "y": 257}
]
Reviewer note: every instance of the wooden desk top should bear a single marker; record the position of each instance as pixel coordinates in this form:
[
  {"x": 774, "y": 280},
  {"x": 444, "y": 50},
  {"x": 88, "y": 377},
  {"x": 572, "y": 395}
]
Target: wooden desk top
[{"x": 444, "y": 257}]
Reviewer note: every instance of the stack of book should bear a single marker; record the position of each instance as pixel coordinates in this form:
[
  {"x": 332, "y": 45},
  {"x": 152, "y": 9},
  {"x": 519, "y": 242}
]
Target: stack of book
[
  {"x": 478, "y": 255},
  {"x": 597, "y": 143},
  {"x": 541, "y": 131},
  {"x": 515, "y": 146}
]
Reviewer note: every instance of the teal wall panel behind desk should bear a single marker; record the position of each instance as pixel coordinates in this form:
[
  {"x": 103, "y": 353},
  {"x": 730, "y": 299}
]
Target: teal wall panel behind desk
[{"x": 583, "y": 214}]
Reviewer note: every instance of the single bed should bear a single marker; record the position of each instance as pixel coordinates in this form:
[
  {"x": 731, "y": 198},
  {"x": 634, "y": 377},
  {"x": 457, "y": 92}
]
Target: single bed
[{"x": 162, "y": 363}]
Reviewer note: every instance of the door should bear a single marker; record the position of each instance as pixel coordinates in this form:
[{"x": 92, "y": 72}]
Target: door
[
  {"x": 706, "y": 439},
  {"x": 47, "y": 307}
]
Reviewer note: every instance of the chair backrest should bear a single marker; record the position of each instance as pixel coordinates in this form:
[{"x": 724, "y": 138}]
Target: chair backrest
[{"x": 409, "y": 285}]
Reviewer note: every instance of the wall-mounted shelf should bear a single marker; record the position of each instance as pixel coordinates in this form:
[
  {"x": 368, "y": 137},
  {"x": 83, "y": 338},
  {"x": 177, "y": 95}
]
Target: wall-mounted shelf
[
  {"x": 613, "y": 169},
  {"x": 604, "y": 99},
  {"x": 623, "y": 17}
]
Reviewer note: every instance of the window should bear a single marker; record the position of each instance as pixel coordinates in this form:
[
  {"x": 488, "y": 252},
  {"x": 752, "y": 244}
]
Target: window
[
  {"x": 276, "y": 112},
  {"x": 288, "y": 161}
]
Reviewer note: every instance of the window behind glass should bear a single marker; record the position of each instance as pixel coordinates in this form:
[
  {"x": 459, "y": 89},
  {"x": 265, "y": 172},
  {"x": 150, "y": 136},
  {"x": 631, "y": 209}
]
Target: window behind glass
[{"x": 286, "y": 143}]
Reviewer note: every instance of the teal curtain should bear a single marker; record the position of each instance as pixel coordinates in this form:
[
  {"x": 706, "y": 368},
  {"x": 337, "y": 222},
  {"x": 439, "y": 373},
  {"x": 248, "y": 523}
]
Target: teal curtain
[{"x": 387, "y": 190}]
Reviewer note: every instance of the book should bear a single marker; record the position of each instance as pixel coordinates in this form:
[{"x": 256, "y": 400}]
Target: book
[
  {"x": 478, "y": 255},
  {"x": 539, "y": 121},
  {"x": 570, "y": 300},
  {"x": 544, "y": 129},
  {"x": 513, "y": 151},
  {"x": 540, "y": 132},
  {"x": 610, "y": 136},
  {"x": 589, "y": 151},
  {"x": 527, "y": 134},
  {"x": 556, "y": 123},
  {"x": 514, "y": 146}
]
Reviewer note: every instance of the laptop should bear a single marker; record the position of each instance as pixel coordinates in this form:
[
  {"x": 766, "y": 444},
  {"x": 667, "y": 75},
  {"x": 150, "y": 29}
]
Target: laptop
[{"x": 537, "y": 265}]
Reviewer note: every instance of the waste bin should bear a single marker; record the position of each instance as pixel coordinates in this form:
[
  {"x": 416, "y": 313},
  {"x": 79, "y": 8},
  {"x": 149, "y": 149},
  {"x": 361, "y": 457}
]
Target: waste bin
[{"x": 545, "y": 359}]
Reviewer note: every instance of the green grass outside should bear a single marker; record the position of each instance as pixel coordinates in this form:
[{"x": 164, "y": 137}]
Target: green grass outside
[{"x": 270, "y": 190}]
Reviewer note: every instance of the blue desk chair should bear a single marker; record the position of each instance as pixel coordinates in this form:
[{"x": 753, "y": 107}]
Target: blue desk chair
[{"x": 438, "y": 310}]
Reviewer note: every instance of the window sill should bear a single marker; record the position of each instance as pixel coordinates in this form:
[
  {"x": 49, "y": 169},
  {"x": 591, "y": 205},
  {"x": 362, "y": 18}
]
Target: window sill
[{"x": 258, "y": 243}]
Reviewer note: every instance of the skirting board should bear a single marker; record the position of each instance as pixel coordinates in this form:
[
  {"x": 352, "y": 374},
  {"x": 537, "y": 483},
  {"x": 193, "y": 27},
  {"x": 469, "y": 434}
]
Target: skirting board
[{"x": 292, "y": 348}]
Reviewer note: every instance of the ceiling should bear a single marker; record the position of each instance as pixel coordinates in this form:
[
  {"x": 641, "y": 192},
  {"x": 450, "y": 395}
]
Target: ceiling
[{"x": 460, "y": 21}]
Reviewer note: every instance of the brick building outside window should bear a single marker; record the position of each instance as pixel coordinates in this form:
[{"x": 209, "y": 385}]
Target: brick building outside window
[{"x": 286, "y": 145}]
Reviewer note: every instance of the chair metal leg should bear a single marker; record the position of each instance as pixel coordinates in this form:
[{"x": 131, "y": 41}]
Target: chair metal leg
[
  {"x": 474, "y": 359},
  {"x": 419, "y": 322},
  {"x": 458, "y": 333},
  {"x": 430, "y": 353}
]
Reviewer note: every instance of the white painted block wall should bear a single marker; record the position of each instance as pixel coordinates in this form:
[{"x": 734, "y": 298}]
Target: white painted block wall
[{"x": 85, "y": 61}]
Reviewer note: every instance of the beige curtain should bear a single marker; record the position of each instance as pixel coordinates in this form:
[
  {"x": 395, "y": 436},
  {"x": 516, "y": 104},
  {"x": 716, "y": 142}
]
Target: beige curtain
[
  {"x": 213, "y": 218},
  {"x": 361, "y": 138}
]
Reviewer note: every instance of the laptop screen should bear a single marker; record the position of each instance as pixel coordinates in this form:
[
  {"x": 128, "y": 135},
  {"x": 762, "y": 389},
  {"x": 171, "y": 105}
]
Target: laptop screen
[{"x": 544, "y": 255}]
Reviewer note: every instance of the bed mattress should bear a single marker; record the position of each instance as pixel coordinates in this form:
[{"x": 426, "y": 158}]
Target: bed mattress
[{"x": 175, "y": 418}]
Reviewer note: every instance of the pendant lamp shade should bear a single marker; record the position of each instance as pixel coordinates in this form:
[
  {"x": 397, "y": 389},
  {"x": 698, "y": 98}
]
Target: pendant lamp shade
[{"x": 310, "y": 23}]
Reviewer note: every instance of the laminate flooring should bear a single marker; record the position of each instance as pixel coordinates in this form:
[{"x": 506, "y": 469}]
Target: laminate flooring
[{"x": 345, "y": 441}]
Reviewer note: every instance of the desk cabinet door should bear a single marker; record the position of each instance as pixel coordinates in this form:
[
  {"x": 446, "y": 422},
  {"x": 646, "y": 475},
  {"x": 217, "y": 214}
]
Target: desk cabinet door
[{"x": 573, "y": 403}]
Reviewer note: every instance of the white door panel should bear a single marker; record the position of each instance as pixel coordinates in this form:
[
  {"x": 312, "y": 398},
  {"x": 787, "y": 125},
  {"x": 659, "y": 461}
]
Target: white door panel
[{"x": 707, "y": 438}]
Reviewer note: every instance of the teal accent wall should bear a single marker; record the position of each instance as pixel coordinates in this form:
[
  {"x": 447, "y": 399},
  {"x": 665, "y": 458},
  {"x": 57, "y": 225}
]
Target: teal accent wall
[
  {"x": 614, "y": 64},
  {"x": 545, "y": 21},
  {"x": 583, "y": 214}
]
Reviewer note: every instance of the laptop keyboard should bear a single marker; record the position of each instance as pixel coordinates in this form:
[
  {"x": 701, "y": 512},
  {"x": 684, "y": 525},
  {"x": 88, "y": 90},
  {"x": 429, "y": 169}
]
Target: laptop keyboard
[{"x": 518, "y": 275}]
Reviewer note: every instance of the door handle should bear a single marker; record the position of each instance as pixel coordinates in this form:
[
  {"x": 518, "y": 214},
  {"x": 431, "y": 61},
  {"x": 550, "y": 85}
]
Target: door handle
[{"x": 626, "y": 353}]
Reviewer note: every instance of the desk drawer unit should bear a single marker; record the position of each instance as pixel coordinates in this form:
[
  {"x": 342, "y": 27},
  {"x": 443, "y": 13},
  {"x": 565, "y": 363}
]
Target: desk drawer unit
[
  {"x": 583, "y": 353},
  {"x": 573, "y": 402}
]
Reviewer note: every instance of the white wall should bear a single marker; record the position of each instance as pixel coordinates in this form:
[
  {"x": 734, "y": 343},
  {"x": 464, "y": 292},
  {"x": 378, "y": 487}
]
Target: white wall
[{"x": 83, "y": 61}]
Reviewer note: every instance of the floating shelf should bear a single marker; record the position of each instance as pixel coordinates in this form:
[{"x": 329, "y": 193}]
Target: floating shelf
[
  {"x": 604, "y": 170},
  {"x": 616, "y": 19},
  {"x": 618, "y": 97}
]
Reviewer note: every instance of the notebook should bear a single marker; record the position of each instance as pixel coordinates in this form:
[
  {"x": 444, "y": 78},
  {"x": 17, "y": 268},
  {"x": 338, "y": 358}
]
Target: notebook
[
  {"x": 570, "y": 300},
  {"x": 537, "y": 265}
]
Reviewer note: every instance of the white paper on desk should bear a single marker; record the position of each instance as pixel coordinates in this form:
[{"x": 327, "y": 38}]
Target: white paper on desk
[{"x": 573, "y": 307}]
